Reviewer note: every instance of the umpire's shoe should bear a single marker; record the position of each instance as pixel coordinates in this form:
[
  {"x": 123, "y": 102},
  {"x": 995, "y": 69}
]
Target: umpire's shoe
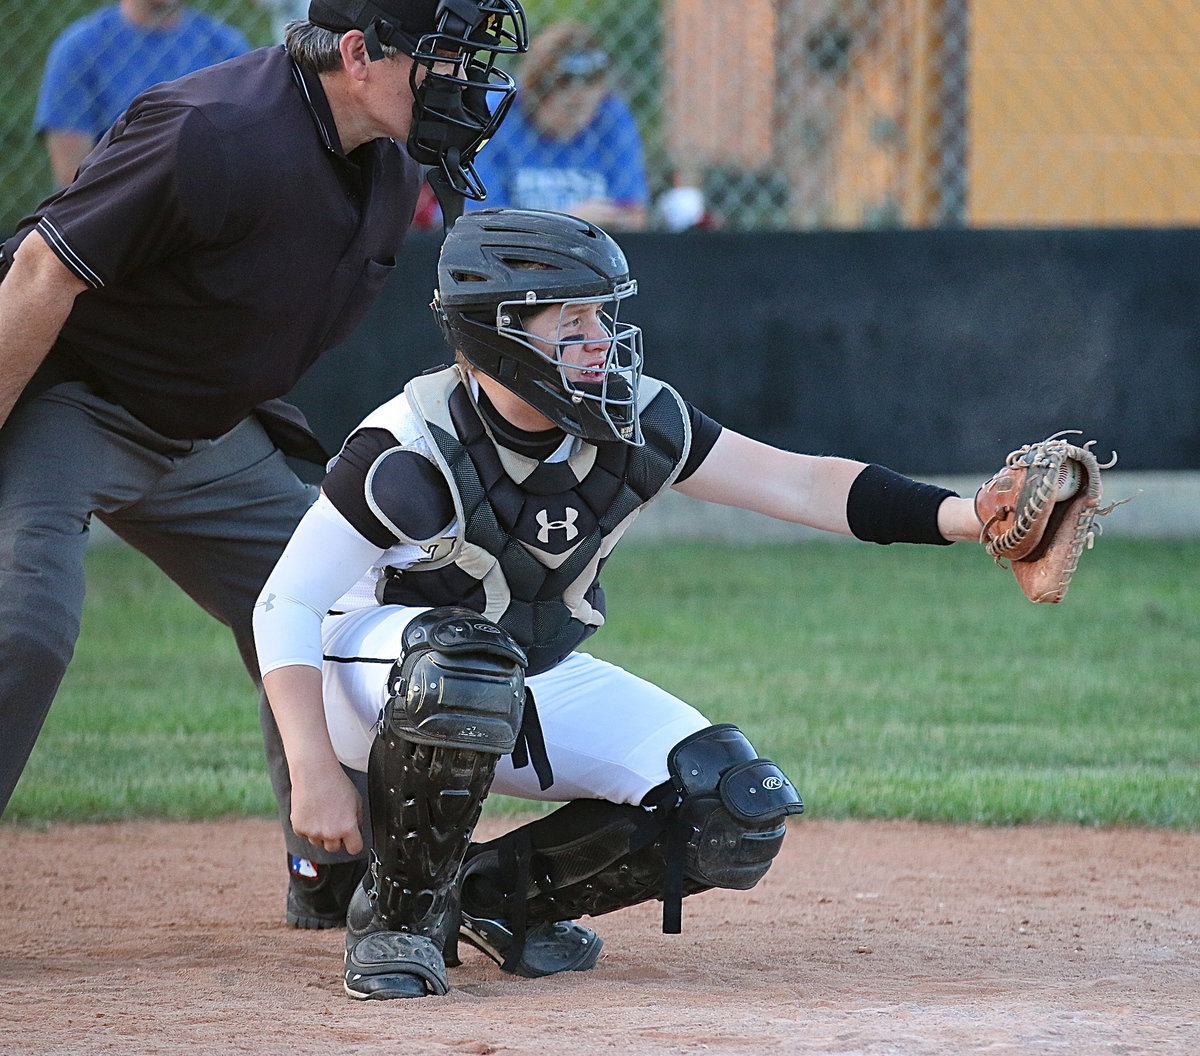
[{"x": 319, "y": 892}]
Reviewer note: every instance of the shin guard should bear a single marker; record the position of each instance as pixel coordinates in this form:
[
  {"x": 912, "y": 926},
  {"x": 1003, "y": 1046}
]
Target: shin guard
[
  {"x": 456, "y": 697},
  {"x": 719, "y": 823}
]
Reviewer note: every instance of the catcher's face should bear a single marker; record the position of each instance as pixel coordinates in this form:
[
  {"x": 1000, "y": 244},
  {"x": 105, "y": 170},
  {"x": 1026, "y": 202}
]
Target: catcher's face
[
  {"x": 574, "y": 336},
  {"x": 594, "y": 361}
]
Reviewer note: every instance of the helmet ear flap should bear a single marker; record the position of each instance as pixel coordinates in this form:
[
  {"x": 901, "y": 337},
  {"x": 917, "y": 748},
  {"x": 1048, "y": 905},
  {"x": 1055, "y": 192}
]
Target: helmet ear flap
[{"x": 484, "y": 349}]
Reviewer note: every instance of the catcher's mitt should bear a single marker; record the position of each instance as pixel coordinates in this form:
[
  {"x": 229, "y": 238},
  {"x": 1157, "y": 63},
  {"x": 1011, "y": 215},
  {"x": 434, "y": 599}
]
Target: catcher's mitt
[{"x": 1039, "y": 512}]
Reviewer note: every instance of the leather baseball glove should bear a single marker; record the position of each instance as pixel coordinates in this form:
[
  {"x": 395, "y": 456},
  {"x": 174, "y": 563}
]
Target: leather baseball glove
[{"x": 1039, "y": 512}]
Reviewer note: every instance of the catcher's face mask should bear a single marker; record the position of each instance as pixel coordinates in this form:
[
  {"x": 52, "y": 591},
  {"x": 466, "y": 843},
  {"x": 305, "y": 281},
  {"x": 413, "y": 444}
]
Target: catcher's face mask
[{"x": 586, "y": 366}]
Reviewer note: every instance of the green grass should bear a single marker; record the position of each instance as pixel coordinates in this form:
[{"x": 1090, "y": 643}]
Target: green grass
[
  {"x": 156, "y": 717},
  {"x": 888, "y": 682}
]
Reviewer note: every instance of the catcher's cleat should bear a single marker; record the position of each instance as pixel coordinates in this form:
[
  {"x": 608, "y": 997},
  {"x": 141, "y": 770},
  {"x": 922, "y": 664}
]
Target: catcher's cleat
[
  {"x": 385, "y": 965},
  {"x": 319, "y": 892},
  {"x": 563, "y": 946}
]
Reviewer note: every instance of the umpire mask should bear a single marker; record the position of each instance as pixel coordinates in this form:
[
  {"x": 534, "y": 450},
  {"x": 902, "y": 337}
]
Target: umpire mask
[{"x": 460, "y": 96}]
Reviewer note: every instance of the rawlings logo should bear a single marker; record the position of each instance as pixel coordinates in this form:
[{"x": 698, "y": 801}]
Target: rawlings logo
[
  {"x": 772, "y": 784},
  {"x": 567, "y": 524}
]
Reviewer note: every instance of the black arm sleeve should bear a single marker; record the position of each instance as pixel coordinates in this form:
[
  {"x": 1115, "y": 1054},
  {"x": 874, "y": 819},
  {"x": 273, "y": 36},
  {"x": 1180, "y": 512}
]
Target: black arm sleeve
[
  {"x": 407, "y": 488},
  {"x": 886, "y": 507}
]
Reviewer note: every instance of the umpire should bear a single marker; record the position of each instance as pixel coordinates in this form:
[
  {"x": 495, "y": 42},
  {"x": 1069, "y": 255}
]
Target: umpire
[{"x": 230, "y": 227}]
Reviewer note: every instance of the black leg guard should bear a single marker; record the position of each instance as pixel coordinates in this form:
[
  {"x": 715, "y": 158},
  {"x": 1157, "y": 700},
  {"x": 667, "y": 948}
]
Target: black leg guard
[
  {"x": 557, "y": 862},
  {"x": 455, "y": 707},
  {"x": 531, "y": 933},
  {"x": 430, "y": 800},
  {"x": 720, "y": 823},
  {"x": 586, "y": 859}
]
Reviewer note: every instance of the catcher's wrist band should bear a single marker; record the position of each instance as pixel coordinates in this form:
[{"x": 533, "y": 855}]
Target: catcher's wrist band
[{"x": 887, "y": 507}]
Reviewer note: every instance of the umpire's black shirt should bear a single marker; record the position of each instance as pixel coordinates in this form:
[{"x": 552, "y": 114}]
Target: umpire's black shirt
[{"x": 227, "y": 241}]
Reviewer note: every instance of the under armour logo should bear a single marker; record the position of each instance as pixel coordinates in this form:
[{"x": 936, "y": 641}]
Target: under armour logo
[{"x": 567, "y": 524}]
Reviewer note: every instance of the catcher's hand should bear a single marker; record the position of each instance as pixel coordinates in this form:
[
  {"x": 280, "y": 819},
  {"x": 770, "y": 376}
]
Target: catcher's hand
[{"x": 1038, "y": 513}]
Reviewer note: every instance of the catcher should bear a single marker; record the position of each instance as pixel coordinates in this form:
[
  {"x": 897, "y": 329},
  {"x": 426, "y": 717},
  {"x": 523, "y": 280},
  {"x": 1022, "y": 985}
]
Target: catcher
[{"x": 424, "y": 624}]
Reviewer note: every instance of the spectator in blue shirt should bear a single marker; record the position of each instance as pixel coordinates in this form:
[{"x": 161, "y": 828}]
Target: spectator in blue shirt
[
  {"x": 570, "y": 143},
  {"x": 99, "y": 63}
]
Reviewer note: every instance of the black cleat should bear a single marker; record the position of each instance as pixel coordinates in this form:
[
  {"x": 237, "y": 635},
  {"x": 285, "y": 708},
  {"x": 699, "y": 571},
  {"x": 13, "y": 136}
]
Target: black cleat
[{"x": 563, "y": 946}]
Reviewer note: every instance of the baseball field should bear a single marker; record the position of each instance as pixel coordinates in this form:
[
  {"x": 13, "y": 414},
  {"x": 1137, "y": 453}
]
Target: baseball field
[{"x": 1000, "y": 853}]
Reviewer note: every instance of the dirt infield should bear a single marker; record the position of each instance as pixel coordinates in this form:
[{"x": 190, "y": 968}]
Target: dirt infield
[{"x": 890, "y": 939}]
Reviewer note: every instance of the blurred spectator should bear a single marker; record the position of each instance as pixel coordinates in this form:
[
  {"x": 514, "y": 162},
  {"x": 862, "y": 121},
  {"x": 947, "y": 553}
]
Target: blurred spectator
[
  {"x": 283, "y": 12},
  {"x": 570, "y": 143},
  {"x": 99, "y": 63}
]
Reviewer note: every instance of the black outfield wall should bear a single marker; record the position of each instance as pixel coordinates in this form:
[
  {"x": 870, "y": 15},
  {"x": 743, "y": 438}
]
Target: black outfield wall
[{"x": 932, "y": 352}]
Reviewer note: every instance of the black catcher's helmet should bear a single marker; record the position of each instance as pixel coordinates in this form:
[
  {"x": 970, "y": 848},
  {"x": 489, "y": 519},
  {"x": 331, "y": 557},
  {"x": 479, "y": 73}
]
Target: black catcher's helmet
[
  {"x": 500, "y": 265},
  {"x": 456, "y": 110}
]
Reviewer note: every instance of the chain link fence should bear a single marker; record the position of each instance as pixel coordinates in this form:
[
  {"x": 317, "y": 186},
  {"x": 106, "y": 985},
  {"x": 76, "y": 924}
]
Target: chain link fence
[{"x": 822, "y": 114}]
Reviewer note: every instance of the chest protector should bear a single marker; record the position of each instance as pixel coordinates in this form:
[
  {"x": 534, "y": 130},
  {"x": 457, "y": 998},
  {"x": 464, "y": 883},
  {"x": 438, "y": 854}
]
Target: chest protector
[{"x": 533, "y": 535}]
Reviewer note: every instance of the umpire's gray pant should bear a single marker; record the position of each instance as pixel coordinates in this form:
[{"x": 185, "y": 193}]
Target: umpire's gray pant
[{"x": 214, "y": 515}]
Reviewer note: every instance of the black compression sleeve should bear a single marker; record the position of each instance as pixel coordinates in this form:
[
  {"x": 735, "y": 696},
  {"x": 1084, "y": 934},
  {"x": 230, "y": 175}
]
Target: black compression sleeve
[{"x": 886, "y": 507}]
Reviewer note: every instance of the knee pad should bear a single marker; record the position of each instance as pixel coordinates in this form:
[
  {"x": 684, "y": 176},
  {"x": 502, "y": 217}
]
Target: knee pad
[
  {"x": 459, "y": 683},
  {"x": 731, "y": 809}
]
